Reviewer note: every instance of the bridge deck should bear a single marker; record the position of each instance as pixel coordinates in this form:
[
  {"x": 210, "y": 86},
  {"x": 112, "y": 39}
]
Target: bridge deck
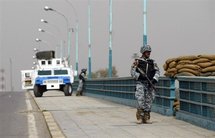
[{"x": 90, "y": 117}]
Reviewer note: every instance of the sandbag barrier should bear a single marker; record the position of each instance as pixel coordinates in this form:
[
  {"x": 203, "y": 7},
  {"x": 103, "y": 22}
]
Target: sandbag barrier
[{"x": 200, "y": 65}]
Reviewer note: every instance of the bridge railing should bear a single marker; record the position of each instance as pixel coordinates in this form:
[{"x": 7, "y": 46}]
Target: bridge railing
[
  {"x": 197, "y": 101},
  {"x": 196, "y": 96},
  {"x": 122, "y": 90}
]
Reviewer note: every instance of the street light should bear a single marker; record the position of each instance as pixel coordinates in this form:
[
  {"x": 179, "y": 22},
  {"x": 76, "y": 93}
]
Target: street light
[
  {"x": 46, "y": 8},
  {"x": 89, "y": 39},
  {"x": 41, "y": 30},
  {"x": 144, "y": 22},
  {"x": 37, "y": 40},
  {"x": 110, "y": 38},
  {"x": 35, "y": 50},
  {"x": 44, "y": 21}
]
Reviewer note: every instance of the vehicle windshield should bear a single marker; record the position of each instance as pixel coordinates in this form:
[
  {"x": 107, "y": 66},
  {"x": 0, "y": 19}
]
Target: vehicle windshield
[
  {"x": 60, "y": 72},
  {"x": 44, "y": 72}
]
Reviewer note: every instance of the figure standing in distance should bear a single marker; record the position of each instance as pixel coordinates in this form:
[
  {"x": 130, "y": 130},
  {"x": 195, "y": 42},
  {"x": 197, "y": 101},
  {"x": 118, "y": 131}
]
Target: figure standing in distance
[
  {"x": 81, "y": 82},
  {"x": 146, "y": 72}
]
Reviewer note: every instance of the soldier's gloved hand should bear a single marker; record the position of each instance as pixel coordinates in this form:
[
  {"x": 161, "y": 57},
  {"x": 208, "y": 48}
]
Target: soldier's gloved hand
[
  {"x": 135, "y": 63},
  {"x": 154, "y": 81}
]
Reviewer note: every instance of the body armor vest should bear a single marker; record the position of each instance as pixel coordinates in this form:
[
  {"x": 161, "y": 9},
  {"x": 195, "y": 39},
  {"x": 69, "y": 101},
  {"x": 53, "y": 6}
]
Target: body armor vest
[{"x": 148, "y": 67}]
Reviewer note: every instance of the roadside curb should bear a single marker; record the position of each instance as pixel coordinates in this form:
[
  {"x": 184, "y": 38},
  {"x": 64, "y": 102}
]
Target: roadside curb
[{"x": 53, "y": 126}]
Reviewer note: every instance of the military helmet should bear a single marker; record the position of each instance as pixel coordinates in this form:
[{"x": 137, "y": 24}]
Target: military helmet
[
  {"x": 83, "y": 70},
  {"x": 145, "y": 48}
]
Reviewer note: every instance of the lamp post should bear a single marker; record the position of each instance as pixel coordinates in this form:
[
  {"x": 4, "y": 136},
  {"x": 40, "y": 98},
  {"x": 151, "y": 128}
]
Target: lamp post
[
  {"x": 61, "y": 41},
  {"x": 67, "y": 28},
  {"x": 76, "y": 34},
  {"x": 89, "y": 39},
  {"x": 144, "y": 22},
  {"x": 11, "y": 75},
  {"x": 110, "y": 38}
]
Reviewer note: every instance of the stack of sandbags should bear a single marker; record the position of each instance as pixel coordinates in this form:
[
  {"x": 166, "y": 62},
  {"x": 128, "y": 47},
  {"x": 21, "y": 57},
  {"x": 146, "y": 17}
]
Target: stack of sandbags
[
  {"x": 201, "y": 65},
  {"x": 208, "y": 67}
]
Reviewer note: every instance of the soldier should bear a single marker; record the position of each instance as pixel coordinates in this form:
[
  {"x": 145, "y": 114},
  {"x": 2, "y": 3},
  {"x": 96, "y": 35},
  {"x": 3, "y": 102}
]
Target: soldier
[
  {"x": 146, "y": 73},
  {"x": 81, "y": 82}
]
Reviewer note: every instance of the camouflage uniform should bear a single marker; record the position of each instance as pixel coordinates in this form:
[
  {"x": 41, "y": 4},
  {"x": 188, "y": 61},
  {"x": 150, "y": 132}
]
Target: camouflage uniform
[{"x": 144, "y": 92}]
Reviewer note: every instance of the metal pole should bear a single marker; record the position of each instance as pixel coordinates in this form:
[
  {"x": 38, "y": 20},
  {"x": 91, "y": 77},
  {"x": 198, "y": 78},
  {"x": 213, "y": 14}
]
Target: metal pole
[
  {"x": 61, "y": 49},
  {"x": 76, "y": 33},
  {"x": 89, "y": 40},
  {"x": 144, "y": 22},
  {"x": 76, "y": 45},
  {"x": 11, "y": 75},
  {"x": 69, "y": 45},
  {"x": 110, "y": 39}
]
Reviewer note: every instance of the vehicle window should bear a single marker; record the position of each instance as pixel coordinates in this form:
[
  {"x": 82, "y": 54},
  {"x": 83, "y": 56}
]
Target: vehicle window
[
  {"x": 49, "y": 62},
  {"x": 27, "y": 74},
  {"x": 44, "y": 72},
  {"x": 60, "y": 72},
  {"x": 43, "y": 62},
  {"x": 58, "y": 62}
]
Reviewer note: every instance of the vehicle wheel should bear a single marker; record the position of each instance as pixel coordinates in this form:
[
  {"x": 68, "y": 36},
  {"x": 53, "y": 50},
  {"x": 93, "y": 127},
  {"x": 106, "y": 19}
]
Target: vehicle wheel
[
  {"x": 38, "y": 91},
  {"x": 67, "y": 90}
]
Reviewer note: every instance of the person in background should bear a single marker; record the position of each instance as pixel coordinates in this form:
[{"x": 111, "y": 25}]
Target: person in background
[
  {"x": 81, "y": 82},
  {"x": 146, "y": 72}
]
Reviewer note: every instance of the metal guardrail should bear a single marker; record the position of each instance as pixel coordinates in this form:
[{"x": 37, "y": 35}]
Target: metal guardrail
[
  {"x": 122, "y": 90},
  {"x": 197, "y": 101},
  {"x": 197, "y": 96}
]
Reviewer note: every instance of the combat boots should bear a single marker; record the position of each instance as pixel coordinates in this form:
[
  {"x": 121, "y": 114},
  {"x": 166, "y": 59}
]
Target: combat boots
[
  {"x": 139, "y": 117},
  {"x": 146, "y": 118},
  {"x": 78, "y": 93}
]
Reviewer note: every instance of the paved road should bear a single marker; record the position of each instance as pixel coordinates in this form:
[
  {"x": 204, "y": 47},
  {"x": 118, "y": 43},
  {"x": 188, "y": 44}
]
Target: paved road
[
  {"x": 20, "y": 117},
  {"x": 88, "y": 117}
]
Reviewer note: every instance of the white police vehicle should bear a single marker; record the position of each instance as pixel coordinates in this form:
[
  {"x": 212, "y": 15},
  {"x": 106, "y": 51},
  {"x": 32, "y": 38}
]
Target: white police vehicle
[{"x": 50, "y": 74}]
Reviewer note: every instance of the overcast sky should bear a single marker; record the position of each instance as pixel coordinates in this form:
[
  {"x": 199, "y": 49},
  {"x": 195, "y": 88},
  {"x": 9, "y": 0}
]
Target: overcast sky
[{"x": 175, "y": 28}]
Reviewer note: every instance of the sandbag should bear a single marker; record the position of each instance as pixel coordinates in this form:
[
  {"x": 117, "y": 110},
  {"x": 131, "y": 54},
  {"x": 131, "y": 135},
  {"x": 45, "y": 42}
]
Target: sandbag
[
  {"x": 192, "y": 57},
  {"x": 209, "y": 69},
  {"x": 204, "y": 64},
  {"x": 213, "y": 62},
  {"x": 195, "y": 72},
  {"x": 211, "y": 57},
  {"x": 167, "y": 74},
  {"x": 185, "y": 62},
  {"x": 200, "y": 60},
  {"x": 165, "y": 67},
  {"x": 189, "y": 66},
  {"x": 184, "y": 74},
  {"x": 171, "y": 70},
  {"x": 172, "y": 64},
  {"x": 170, "y": 60},
  {"x": 206, "y": 74}
]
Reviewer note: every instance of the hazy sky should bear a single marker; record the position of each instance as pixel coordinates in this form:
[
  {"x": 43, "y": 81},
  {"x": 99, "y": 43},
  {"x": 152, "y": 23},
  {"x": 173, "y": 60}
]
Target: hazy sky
[{"x": 175, "y": 28}]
